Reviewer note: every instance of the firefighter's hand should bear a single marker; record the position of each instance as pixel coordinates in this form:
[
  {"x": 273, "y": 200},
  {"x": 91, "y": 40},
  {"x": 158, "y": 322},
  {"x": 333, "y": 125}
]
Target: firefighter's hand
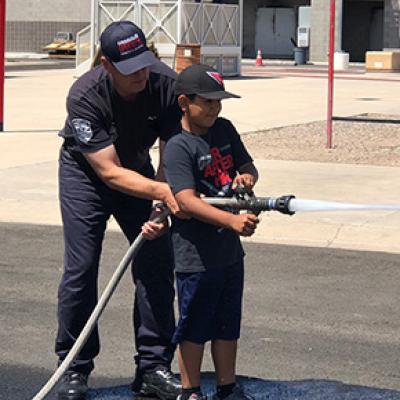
[
  {"x": 165, "y": 196},
  {"x": 246, "y": 180},
  {"x": 244, "y": 224},
  {"x": 152, "y": 230}
]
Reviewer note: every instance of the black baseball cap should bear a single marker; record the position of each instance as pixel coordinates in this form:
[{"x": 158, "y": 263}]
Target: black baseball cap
[
  {"x": 123, "y": 43},
  {"x": 203, "y": 81}
]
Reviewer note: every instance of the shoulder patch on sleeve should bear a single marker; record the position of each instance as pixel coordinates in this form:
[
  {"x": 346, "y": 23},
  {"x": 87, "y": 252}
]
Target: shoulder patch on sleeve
[{"x": 83, "y": 129}]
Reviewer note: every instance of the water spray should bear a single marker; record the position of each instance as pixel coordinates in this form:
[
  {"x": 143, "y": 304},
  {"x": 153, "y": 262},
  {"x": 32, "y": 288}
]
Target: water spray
[
  {"x": 305, "y": 205},
  {"x": 242, "y": 200}
]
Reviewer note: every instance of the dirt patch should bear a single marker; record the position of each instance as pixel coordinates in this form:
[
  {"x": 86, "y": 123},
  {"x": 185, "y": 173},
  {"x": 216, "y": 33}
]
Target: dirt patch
[{"x": 372, "y": 139}]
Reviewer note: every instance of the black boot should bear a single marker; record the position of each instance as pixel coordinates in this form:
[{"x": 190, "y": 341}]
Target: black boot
[
  {"x": 161, "y": 383},
  {"x": 137, "y": 383},
  {"x": 73, "y": 386}
]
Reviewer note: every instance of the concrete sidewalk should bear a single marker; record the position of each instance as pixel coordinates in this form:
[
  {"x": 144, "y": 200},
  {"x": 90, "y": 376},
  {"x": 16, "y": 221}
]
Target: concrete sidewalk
[
  {"x": 35, "y": 110},
  {"x": 35, "y": 100}
]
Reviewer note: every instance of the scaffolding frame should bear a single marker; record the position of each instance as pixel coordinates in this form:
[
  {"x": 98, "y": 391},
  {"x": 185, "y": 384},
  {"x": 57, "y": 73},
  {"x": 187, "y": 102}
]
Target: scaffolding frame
[{"x": 217, "y": 28}]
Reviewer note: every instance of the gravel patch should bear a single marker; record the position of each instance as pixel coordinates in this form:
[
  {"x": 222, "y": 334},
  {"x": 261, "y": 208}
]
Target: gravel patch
[{"x": 372, "y": 139}]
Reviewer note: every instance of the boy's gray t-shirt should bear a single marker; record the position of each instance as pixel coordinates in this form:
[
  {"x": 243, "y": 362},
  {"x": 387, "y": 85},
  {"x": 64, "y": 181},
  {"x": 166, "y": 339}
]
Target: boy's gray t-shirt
[{"x": 208, "y": 164}]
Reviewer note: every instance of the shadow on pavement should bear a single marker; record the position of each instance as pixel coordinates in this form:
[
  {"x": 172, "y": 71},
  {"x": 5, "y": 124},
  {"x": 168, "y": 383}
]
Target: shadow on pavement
[
  {"x": 261, "y": 389},
  {"x": 20, "y": 382},
  {"x": 250, "y": 78},
  {"x": 367, "y": 119},
  {"x": 28, "y": 65},
  {"x": 13, "y": 77}
]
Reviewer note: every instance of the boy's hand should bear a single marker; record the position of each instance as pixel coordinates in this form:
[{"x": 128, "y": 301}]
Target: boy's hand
[
  {"x": 246, "y": 180},
  {"x": 152, "y": 230},
  {"x": 244, "y": 224}
]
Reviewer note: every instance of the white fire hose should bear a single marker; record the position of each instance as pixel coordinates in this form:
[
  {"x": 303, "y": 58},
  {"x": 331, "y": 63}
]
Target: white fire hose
[{"x": 284, "y": 204}]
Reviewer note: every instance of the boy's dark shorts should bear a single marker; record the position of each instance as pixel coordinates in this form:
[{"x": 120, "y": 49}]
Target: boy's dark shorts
[{"x": 210, "y": 304}]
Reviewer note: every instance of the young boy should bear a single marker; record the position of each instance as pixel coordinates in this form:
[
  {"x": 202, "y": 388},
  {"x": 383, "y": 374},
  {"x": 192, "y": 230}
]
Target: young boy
[{"x": 207, "y": 158}]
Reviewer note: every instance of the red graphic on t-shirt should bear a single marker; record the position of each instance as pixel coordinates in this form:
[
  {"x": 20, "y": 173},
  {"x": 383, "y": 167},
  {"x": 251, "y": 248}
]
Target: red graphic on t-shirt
[{"x": 219, "y": 168}]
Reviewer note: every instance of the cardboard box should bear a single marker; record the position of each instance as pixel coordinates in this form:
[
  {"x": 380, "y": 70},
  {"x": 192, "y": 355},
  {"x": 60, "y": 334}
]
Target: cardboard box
[{"x": 385, "y": 61}]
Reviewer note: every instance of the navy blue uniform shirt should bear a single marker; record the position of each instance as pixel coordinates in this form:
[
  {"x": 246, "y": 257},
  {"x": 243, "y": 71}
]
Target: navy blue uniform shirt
[{"x": 99, "y": 117}]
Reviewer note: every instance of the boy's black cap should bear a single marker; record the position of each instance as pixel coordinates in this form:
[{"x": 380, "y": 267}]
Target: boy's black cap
[
  {"x": 203, "y": 81},
  {"x": 124, "y": 45}
]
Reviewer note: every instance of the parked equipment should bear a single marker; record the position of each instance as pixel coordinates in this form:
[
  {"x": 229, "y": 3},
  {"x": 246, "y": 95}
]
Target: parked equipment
[{"x": 62, "y": 46}]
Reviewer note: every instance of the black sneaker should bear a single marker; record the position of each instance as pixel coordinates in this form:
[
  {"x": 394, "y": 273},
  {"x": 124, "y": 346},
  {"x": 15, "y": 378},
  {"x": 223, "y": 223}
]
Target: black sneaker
[
  {"x": 161, "y": 383},
  {"x": 194, "y": 396},
  {"x": 237, "y": 394},
  {"x": 136, "y": 385},
  {"x": 73, "y": 386}
]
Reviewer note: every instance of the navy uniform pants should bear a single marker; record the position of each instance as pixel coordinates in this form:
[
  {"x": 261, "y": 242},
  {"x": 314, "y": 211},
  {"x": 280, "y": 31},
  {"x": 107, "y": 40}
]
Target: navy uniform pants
[{"x": 86, "y": 205}]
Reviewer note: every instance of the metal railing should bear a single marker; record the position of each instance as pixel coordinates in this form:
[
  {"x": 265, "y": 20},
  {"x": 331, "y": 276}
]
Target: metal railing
[{"x": 83, "y": 45}]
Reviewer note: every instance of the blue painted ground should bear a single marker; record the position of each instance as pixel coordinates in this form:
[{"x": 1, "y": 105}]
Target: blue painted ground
[{"x": 259, "y": 389}]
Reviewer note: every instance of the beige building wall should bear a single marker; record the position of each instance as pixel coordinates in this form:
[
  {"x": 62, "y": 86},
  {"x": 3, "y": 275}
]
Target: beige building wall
[
  {"x": 355, "y": 30},
  {"x": 392, "y": 24},
  {"x": 30, "y": 24}
]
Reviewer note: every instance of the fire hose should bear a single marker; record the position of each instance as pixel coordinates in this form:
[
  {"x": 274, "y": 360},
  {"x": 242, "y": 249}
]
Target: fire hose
[
  {"x": 287, "y": 204},
  {"x": 241, "y": 202}
]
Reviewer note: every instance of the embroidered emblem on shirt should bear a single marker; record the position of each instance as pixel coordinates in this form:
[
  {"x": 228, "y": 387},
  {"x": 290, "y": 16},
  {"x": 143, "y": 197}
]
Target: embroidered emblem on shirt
[{"x": 83, "y": 129}]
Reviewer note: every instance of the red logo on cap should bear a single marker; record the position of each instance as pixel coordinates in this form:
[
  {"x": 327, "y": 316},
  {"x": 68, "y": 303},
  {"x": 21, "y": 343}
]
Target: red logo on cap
[
  {"x": 217, "y": 77},
  {"x": 130, "y": 44}
]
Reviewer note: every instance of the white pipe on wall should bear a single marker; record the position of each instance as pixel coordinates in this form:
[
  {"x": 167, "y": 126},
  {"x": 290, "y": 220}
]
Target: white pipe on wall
[
  {"x": 339, "y": 24},
  {"x": 179, "y": 27},
  {"x": 93, "y": 28},
  {"x": 241, "y": 11}
]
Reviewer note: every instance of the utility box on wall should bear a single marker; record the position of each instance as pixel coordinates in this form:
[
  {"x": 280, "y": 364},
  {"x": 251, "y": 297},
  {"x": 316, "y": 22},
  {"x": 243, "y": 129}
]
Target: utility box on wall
[{"x": 303, "y": 36}]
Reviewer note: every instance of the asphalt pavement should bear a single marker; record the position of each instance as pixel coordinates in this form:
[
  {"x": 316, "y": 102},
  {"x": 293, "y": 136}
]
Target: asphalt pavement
[{"x": 318, "y": 324}]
